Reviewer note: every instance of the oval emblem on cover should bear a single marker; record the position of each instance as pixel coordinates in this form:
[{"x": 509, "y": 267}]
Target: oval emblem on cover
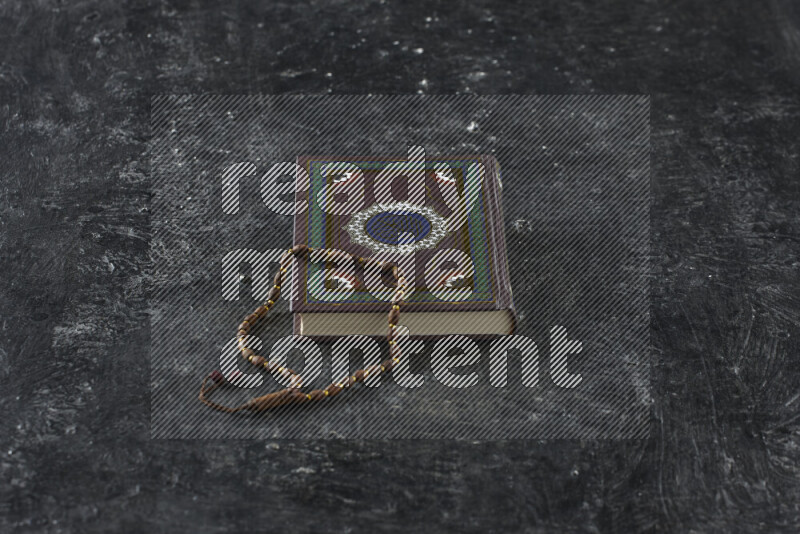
[{"x": 399, "y": 227}]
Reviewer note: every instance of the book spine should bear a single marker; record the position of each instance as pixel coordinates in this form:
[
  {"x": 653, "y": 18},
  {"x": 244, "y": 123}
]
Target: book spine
[{"x": 502, "y": 276}]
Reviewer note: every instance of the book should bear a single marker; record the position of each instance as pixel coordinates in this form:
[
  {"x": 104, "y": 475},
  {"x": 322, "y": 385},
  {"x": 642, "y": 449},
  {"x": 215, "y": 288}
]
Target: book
[{"x": 440, "y": 221}]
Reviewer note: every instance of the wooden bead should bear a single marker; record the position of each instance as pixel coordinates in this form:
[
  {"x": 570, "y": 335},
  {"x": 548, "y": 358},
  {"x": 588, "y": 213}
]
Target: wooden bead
[
  {"x": 317, "y": 394},
  {"x": 359, "y": 375},
  {"x": 258, "y": 361},
  {"x": 278, "y": 279},
  {"x": 394, "y": 316},
  {"x": 252, "y": 318},
  {"x": 245, "y": 327},
  {"x": 390, "y": 270},
  {"x": 261, "y": 311},
  {"x": 300, "y": 250},
  {"x": 273, "y": 400},
  {"x": 274, "y": 294},
  {"x": 387, "y": 365},
  {"x": 299, "y": 396},
  {"x": 333, "y": 390},
  {"x": 247, "y": 352}
]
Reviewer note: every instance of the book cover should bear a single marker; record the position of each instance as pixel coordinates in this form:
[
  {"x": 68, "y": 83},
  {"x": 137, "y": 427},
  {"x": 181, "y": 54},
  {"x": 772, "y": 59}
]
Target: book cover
[{"x": 439, "y": 220}]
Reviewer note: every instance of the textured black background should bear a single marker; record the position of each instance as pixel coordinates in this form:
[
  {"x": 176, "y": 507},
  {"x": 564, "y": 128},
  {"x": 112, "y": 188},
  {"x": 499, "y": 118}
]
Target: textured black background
[{"x": 75, "y": 83}]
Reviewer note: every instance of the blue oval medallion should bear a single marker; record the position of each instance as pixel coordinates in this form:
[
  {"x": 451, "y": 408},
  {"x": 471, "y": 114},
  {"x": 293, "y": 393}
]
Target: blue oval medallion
[{"x": 397, "y": 227}]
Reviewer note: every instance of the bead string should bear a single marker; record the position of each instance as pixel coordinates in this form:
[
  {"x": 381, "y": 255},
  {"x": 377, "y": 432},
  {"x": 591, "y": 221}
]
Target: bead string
[{"x": 292, "y": 394}]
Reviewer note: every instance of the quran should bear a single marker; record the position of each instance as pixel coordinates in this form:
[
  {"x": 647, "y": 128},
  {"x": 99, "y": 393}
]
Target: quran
[{"x": 440, "y": 221}]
